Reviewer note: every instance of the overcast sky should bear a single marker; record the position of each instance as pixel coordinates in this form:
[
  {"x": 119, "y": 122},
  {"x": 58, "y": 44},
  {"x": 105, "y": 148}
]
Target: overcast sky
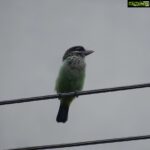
[{"x": 34, "y": 35}]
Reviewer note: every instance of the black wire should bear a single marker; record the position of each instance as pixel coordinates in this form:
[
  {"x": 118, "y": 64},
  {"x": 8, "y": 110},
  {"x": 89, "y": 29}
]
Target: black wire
[
  {"x": 105, "y": 141},
  {"x": 77, "y": 93},
  {"x": 114, "y": 140}
]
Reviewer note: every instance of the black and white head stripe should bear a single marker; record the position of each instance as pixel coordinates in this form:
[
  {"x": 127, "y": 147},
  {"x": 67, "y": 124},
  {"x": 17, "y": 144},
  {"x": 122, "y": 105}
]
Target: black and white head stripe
[
  {"x": 73, "y": 50},
  {"x": 76, "y": 48}
]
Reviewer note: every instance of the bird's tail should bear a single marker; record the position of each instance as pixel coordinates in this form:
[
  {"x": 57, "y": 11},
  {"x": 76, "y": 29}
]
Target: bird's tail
[{"x": 62, "y": 115}]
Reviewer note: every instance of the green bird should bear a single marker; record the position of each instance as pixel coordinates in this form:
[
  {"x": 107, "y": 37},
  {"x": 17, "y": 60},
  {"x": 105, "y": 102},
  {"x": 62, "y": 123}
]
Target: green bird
[{"x": 71, "y": 78}]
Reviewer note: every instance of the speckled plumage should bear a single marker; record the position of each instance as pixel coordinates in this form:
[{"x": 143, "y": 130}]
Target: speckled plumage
[
  {"x": 71, "y": 75},
  {"x": 71, "y": 78}
]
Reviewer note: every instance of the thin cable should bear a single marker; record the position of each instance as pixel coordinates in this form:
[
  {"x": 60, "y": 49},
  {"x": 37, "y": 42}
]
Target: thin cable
[
  {"x": 105, "y": 141},
  {"x": 77, "y": 93}
]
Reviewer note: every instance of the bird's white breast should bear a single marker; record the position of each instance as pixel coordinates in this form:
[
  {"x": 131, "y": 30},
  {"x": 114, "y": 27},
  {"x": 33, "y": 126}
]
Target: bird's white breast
[{"x": 76, "y": 62}]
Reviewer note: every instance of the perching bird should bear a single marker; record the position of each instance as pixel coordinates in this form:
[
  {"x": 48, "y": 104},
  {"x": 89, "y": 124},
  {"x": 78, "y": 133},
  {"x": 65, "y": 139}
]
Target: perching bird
[{"x": 71, "y": 78}]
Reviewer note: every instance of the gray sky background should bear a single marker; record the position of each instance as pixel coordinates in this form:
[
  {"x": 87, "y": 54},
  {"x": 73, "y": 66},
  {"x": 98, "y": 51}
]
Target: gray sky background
[{"x": 33, "y": 37}]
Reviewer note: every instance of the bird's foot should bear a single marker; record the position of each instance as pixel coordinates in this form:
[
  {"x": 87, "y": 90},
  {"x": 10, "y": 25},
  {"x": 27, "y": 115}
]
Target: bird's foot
[
  {"x": 76, "y": 94},
  {"x": 59, "y": 95}
]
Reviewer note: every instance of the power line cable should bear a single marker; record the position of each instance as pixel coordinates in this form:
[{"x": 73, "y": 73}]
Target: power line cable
[
  {"x": 77, "y": 93},
  {"x": 85, "y": 143}
]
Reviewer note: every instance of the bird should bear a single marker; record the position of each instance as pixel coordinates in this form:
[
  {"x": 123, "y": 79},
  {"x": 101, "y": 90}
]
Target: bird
[{"x": 70, "y": 78}]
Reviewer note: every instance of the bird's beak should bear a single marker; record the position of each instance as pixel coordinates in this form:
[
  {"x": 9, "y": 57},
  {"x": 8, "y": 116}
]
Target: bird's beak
[{"x": 88, "y": 52}]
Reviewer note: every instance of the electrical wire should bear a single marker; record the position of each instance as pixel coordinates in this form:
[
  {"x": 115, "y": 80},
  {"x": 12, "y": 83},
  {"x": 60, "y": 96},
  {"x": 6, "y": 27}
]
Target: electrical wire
[
  {"x": 85, "y": 143},
  {"x": 76, "y": 93}
]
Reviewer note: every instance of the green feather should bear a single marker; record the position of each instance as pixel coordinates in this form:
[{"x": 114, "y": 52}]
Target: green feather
[{"x": 69, "y": 79}]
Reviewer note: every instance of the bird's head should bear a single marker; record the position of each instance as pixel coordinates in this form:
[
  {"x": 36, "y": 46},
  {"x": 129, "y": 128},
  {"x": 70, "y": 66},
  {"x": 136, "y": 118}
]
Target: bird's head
[{"x": 77, "y": 51}]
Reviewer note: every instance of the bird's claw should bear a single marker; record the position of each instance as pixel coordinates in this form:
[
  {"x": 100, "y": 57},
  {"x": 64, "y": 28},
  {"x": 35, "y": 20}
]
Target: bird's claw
[
  {"x": 59, "y": 95},
  {"x": 76, "y": 94}
]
